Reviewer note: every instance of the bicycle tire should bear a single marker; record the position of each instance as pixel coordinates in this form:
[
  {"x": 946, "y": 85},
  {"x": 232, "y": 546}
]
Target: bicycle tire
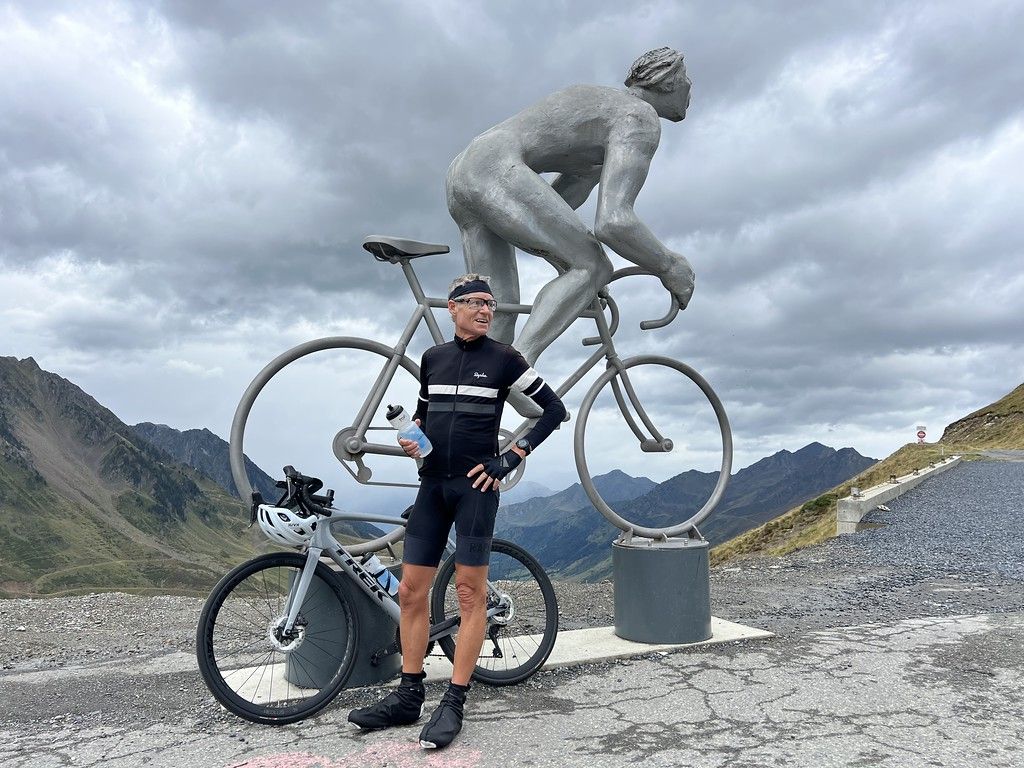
[
  {"x": 528, "y": 638},
  {"x": 271, "y": 369},
  {"x": 235, "y": 630},
  {"x": 581, "y": 460}
]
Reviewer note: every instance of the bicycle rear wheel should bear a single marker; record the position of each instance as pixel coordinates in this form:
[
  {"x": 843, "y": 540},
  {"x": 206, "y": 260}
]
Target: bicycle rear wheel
[
  {"x": 521, "y": 635},
  {"x": 250, "y": 666}
]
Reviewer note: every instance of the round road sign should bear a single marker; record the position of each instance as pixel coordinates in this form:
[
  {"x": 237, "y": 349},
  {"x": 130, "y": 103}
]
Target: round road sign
[{"x": 920, "y": 434}]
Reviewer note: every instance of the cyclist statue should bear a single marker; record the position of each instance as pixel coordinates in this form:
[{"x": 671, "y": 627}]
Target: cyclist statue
[
  {"x": 463, "y": 387},
  {"x": 588, "y": 135}
]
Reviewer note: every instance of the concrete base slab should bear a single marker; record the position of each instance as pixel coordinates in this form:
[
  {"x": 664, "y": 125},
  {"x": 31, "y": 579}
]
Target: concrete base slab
[{"x": 583, "y": 646}]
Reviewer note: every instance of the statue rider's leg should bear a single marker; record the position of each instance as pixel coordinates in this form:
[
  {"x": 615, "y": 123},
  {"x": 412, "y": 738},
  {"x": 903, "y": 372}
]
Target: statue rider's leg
[
  {"x": 525, "y": 211},
  {"x": 488, "y": 254}
]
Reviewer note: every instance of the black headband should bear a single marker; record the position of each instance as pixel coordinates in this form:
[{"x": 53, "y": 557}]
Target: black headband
[{"x": 473, "y": 286}]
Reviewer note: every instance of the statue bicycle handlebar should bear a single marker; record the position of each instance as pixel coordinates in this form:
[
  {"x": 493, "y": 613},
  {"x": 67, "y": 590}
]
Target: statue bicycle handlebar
[{"x": 351, "y": 446}]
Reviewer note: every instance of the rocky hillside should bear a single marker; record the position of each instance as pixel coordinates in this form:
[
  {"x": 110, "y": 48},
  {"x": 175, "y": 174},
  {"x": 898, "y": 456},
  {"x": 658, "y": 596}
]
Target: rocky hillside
[
  {"x": 999, "y": 425},
  {"x": 202, "y": 450},
  {"x": 87, "y": 504},
  {"x": 572, "y": 538},
  {"x": 205, "y": 451}
]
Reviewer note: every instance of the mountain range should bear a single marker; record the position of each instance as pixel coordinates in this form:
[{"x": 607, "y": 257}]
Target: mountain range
[
  {"x": 572, "y": 539},
  {"x": 202, "y": 450},
  {"x": 88, "y": 502}
]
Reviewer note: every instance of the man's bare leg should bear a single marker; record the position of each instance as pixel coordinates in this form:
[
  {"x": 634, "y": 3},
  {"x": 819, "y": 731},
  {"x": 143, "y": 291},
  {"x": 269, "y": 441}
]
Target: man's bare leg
[
  {"x": 471, "y": 586},
  {"x": 413, "y": 592},
  {"x": 404, "y": 704},
  {"x": 446, "y": 721}
]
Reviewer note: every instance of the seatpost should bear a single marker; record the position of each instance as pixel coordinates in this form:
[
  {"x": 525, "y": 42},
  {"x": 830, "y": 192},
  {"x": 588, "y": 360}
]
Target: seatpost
[{"x": 421, "y": 298}]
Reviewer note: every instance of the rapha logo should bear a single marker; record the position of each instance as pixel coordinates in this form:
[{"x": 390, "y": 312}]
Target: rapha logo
[{"x": 477, "y": 375}]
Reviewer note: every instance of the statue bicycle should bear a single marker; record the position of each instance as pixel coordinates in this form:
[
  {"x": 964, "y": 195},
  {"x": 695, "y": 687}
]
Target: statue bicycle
[{"x": 352, "y": 446}]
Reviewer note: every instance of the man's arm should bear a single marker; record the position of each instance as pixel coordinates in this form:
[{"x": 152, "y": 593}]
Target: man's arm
[
  {"x": 411, "y": 447},
  {"x": 523, "y": 378},
  {"x": 627, "y": 160},
  {"x": 519, "y": 376}
]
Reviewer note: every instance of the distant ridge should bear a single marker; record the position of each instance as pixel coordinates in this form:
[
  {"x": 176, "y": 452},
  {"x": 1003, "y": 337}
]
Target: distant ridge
[
  {"x": 573, "y": 539},
  {"x": 204, "y": 451}
]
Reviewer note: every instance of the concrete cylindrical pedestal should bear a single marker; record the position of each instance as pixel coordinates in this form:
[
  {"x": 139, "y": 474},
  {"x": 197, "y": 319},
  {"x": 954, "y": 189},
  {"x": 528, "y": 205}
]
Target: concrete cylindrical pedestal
[
  {"x": 310, "y": 665},
  {"x": 662, "y": 590}
]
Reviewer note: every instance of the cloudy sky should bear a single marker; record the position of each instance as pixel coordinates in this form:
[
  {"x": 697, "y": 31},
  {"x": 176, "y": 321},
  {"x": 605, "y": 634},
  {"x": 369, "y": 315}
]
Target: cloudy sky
[{"x": 184, "y": 187}]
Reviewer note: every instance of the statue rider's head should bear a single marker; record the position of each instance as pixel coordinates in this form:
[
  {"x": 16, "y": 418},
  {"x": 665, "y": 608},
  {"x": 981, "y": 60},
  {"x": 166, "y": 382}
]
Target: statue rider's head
[{"x": 659, "y": 78}]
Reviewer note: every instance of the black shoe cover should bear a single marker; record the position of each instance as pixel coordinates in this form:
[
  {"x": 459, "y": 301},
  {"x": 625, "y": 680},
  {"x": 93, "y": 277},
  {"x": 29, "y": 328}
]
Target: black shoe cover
[
  {"x": 403, "y": 706},
  {"x": 446, "y": 722}
]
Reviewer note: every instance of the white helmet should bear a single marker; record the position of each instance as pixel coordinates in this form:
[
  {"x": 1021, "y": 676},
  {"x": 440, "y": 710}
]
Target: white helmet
[{"x": 283, "y": 526}]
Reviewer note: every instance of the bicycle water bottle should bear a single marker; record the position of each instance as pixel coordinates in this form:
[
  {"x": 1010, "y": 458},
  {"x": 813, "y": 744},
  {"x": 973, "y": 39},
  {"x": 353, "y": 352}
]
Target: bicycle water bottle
[
  {"x": 407, "y": 429},
  {"x": 383, "y": 576}
]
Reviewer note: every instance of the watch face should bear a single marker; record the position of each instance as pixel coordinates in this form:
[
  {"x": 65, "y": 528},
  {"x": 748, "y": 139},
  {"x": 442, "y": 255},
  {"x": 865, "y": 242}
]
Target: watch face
[{"x": 523, "y": 445}]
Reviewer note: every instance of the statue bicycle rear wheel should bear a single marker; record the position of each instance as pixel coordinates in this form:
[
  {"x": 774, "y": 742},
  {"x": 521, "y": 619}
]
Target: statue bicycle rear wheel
[{"x": 649, "y": 425}]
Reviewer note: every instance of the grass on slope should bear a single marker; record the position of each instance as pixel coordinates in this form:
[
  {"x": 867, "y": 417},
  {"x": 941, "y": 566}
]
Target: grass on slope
[
  {"x": 1011, "y": 404},
  {"x": 815, "y": 521}
]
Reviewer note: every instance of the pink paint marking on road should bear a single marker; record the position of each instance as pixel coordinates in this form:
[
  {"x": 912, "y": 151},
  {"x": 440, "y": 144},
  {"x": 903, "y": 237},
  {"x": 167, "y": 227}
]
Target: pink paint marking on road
[{"x": 393, "y": 755}]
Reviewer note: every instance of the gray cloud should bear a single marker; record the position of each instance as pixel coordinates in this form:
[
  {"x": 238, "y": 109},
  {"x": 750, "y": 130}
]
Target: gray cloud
[{"x": 183, "y": 189}]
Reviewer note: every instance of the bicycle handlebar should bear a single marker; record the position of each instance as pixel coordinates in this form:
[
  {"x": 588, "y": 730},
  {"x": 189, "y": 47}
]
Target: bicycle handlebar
[
  {"x": 645, "y": 325},
  {"x": 673, "y": 310}
]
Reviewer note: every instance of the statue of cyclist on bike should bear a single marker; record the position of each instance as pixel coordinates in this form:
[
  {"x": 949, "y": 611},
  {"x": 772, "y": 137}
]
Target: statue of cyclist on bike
[{"x": 590, "y": 135}]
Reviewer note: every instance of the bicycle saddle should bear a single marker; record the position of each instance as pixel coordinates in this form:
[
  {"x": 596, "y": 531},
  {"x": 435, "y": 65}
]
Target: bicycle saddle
[{"x": 385, "y": 248}]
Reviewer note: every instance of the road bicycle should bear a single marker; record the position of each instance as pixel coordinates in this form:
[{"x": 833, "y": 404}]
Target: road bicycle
[
  {"x": 277, "y": 637},
  {"x": 352, "y": 446}
]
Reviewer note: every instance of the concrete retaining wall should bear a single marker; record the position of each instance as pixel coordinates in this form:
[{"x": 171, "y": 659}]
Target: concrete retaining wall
[{"x": 851, "y": 510}]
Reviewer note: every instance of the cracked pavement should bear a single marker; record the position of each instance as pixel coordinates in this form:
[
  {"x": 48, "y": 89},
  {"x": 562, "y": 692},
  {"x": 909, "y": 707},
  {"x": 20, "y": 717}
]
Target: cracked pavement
[{"x": 923, "y": 682}]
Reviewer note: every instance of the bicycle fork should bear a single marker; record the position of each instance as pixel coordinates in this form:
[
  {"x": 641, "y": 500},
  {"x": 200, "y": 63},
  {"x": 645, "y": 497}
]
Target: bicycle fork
[
  {"x": 297, "y": 594},
  {"x": 656, "y": 444}
]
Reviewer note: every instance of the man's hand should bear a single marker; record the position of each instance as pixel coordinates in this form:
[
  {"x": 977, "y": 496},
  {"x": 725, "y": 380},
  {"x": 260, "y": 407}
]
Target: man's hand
[
  {"x": 678, "y": 279},
  {"x": 492, "y": 471},
  {"x": 411, "y": 447}
]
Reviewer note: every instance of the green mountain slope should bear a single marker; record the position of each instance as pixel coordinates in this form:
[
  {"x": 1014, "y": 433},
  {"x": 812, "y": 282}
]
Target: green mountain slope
[
  {"x": 996, "y": 426},
  {"x": 85, "y": 504}
]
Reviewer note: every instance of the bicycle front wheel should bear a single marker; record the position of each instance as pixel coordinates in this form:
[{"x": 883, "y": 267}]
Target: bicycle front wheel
[
  {"x": 255, "y": 669},
  {"x": 522, "y": 631},
  {"x": 657, "y": 407}
]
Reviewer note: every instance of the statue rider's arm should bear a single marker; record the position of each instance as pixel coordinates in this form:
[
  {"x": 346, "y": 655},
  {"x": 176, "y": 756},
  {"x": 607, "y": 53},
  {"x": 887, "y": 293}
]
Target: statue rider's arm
[{"x": 626, "y": 162}]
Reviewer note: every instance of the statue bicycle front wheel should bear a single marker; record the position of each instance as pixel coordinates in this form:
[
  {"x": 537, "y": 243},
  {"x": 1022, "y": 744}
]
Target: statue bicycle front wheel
[
  {"x": 251, "y": 665},
  {"x": 652, "y": 403}
]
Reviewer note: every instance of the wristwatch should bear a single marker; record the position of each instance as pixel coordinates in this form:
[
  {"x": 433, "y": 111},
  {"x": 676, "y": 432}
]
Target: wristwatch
[{"x": 524, "y": 445}]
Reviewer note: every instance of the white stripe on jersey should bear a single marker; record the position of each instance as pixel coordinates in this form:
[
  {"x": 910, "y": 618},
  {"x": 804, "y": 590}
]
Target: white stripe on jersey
[
  {"x": 462, "y": 389},
  {"x": 525, "y": 380}
]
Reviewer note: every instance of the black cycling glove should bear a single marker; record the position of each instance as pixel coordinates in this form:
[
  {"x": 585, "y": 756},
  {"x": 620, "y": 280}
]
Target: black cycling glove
[{"x": 501, "y": 466}]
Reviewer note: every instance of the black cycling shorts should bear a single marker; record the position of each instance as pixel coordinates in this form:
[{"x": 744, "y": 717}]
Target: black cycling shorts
[{"x": 441, "y": 502}]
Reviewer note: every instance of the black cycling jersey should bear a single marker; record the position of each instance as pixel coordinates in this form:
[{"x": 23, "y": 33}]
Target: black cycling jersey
[{"x": 463, "y": 387}]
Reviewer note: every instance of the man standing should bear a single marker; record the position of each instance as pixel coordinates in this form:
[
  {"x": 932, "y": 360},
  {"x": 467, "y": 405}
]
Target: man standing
[
  {"x": 463, "y": 387},
  {"x": 588, "y": 135}
]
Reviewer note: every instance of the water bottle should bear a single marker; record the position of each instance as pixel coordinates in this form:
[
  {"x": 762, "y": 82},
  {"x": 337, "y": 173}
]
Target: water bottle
[
  {"x": 407, "y": 429},
  {"x": 383, "y": 576}
]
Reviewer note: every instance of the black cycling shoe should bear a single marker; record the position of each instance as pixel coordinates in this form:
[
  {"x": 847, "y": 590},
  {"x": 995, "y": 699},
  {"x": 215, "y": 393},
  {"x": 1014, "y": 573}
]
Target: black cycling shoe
[
  {"x": 403, "y": 706},
  {"x": 446, "y": 722}
]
